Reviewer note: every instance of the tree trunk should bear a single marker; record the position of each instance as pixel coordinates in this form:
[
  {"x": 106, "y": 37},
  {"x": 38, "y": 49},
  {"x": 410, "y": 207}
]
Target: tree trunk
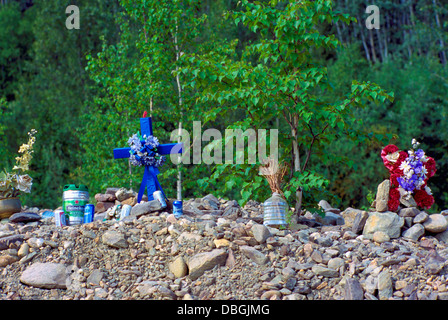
[
  {"x": 439, "y": 31},
  {"x": 363, "y": 39},
  {"x": 296, "y": 159}
]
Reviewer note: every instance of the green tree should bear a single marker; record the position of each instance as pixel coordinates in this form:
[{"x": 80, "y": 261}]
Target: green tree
[
  {"x": 135, "y": 75},
  {"x": 277, "y": 76}
]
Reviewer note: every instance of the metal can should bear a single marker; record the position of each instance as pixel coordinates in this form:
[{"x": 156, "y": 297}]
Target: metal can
[
  {"x": 74, "y": 200},
  {"x": 158, "y": 195},
  {"x": 89, "y": 211},
  {"x": 177, "y": 208},
  {"x": 59, "y": 218},
  {"x": 125, "y": 211}
]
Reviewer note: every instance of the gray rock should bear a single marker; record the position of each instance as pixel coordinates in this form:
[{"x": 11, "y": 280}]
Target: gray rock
[
  {"x": 408, "y": 212},
  {"x": 380, "y": 237},
  {"x": 359, "y": 222},
  {"x": 353, "y": 290},
  {"x": 421, "y": 217},
  {"x": 409, "y": 201},
  {"x": 325, "y": 272},
  {"x": 349, "y": 216},
  {"x": 435, "y": 223},
  {"x": 260, "y": 232},
  {"x": 146, "y": 207},
  {"x": 45, "y": 275},
  {"x": 95, "y": 278},
  {"x": 414, "y": 232},
  {"x": 435, "y": 263},
  {"x": 210, "y": 202},
  {"x": 442, "y": 236},
  {"x": 204, "y": 261},
  {"x": 114, "y": 239},
  {"x": 255, "y": 255},
  {"x": 384, "y": 285},
  {"x": 24, "y": 217},
  {"x": 382, "y": 196},
  {"x": 5, "y": 242},
  {"x": 388, "y": 222}
]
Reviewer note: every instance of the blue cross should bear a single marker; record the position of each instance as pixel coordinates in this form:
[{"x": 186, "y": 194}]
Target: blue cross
[{"x": 150, "y": 181}]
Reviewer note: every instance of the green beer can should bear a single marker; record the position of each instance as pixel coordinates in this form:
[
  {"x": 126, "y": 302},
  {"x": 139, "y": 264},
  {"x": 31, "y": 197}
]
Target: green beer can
[{"x": 74, "y": 200}]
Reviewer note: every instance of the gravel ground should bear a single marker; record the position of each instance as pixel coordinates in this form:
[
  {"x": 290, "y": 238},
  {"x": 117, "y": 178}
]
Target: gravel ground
[{"x": 220, "y": 254}]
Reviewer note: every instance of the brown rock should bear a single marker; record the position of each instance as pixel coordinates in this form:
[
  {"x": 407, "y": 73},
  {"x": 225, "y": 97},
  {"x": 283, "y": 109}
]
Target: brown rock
[{"x": 382, "y": 196}]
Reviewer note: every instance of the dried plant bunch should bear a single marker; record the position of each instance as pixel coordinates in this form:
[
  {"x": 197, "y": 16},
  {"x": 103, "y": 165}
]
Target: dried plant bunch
[{"x": 274, "y": 173}]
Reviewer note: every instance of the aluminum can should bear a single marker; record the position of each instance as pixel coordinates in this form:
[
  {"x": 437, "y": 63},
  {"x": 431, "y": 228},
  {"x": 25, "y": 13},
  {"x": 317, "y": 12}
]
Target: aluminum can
[
  {"x": 74, "y": 200},
  {"x": 158, "y": 195},
  {"x": 59, "y": 218},
  {"x": 89, "y": 211},
  {"x": 125, "y": 211},
  {"x": 177, "y": 208}
]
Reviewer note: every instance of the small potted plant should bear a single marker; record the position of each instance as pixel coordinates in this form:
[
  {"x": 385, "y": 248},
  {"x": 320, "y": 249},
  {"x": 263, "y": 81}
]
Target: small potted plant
[{"x": 12, "y": 184}]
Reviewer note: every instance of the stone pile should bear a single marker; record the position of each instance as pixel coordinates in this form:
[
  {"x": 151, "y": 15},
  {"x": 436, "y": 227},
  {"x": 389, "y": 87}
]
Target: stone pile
[{"x": 219, "y": 250}]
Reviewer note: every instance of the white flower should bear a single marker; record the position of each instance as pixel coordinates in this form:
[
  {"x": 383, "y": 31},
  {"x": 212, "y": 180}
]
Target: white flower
[
  {"x": 428, "y": 190},
  {"x": 405, "y": 166},
  {"x": 393, "y": 157},
  {"x": 24, "y": 183}
]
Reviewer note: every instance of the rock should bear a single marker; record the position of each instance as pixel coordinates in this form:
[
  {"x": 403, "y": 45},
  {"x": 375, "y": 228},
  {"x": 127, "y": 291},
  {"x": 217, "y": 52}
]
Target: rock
[
  {"x": 221, "y": 243},
  {"x": 210, "y": 202},
  {"x": 380, "y": 237},
  {"x": 359, "y": 221},
  {"x": 409, "y": 201},
  {"x": 260, "y": 232},
  {"x": 95, "y": 278},
  {"x": 384, "y": 285},
  {"x": 5, "y": 242},
  {"x": 204, "y": 261},
  {"x": 114, "y": 239},
  {"x": 388, "y": 222},
  {"x": 353, "y": 290},
  {"x": 421, "y": 217},
  {"x": 35, "y": 242},
  {"x": 335, "y": 263},
  {"x": 255, "y": 255},
  {"x": 382, "y": 196},
  {"x": 24, "y": 250},
  {"x": 442, "y": 236},
  {"x": 123, "y": 194},
  {"x": 324, "y": 271},
  {"x": 330, "y": 218},
  {"x": 178, "y": 267},
  {"x": 7, "y": 260},
  {"x": 45, "y": 275},
  {"x": 435, "y": 263},
  {"x": 146, "y": 207},
  {"x": 105, "y": 197},
  {"x": 349, "y": 216},
  {"x": 101, "y": 207},
  {"x": 24, "y": 217},
  {"x": 408, "y": 212},
  {"x": 414, "y": 232},
  {"x": 271, "y": 295},
  {"x": 327, "y": 207},
  {"x": 435, "y": 223}
]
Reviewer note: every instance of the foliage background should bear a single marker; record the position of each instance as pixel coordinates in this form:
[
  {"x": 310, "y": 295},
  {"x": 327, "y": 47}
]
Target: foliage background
[{"x": 83, "y": 90}]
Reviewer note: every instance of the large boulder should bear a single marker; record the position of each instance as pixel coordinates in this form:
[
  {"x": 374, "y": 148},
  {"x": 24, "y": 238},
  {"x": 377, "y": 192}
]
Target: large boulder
[
  {"x": 45, "y": 275},
  {"x": 387, "y": 222}
]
